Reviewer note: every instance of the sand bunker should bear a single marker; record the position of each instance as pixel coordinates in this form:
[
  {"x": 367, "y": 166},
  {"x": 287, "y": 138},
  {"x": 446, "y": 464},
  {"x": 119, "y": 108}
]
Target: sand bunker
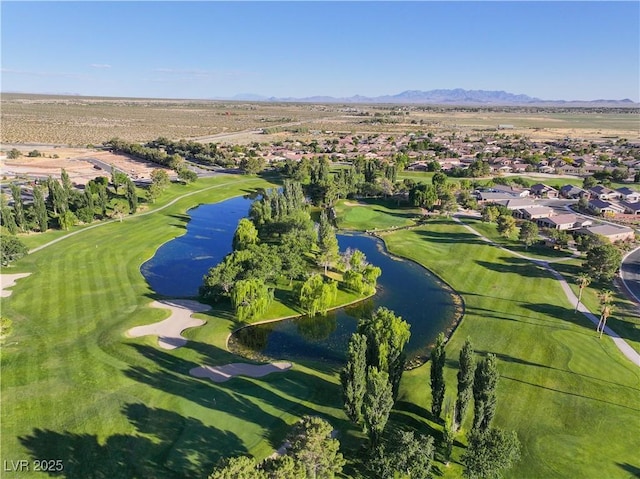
[
  {"x": 9, "y": 281},
  {"x": 168, "y": 330},
  {"x": 221, "y": 374}
]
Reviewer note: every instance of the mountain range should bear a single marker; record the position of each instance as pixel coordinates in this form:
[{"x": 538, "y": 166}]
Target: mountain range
[{"x": 457, "y": 96}]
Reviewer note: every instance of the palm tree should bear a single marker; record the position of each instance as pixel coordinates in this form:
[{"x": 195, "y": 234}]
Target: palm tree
[
  {"x": 584, "y": 280},
  {"x": 606, "y": 296},
  {"x": 607, "y": 309}
]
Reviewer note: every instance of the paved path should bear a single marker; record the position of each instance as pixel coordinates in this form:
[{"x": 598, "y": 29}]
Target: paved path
[
  {"x": 630, "y": 273},
  {"x": 622, "y": 345}
]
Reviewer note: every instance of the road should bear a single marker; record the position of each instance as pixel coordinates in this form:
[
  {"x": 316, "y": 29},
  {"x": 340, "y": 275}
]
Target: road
[{"x": 630, "y": 273}]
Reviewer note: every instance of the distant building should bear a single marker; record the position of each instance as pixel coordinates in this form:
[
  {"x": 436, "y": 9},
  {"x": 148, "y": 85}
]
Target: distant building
[
  {"x": 573, "y": 192},
  {"x": 601, "y": 207},
  {"x": 533, "y": 213},
  {"x": 543, "y": 191},
  {"x": 564, "y": 222},
  {"x": 612, "y": 232}
]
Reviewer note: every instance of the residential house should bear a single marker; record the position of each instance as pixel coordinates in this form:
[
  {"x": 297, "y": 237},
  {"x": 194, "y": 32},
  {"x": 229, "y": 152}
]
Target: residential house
[
  {"x": 631, "y": 208},
  {"x": 518, "y": 203},
  {"x": 600, "y": 207},
  {"x": 533, "y": 213},
  {"x": 543, "y": 191},
  {"x": 628, "y": 195},
  {"x": 573, "y": 192},
  {"x": 603, "y": 193},
  {"x": 612, "y": 232},
  {"x": 564, "y": 222}
]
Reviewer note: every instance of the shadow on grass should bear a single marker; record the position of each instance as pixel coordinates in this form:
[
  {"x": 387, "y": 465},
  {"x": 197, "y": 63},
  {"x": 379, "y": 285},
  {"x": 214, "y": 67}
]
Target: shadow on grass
[
  {"x": 165, "y": 444},
  {"x": 568, "y": 393},
  {"x": 634, "y": 470},
  {"x": 521, "y": 266},
  {"x": 450, "y": 237}
]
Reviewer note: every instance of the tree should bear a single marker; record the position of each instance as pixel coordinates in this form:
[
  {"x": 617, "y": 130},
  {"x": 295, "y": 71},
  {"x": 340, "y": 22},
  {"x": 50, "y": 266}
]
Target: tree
[
  {"x": 119, "y": 209},
  {"x": 405, "y": 454},
  {"x": 528, "y": 233},
  {"x": 584, "y": 280},
  {"x": 241, "y": 467},
  {"x": 602, "y": 262},
  {"x": 438, "y": 358},
  {"x": 314, "y": 449},
  {"x": 466, "y": 370},
  {"x": 40, "y": 209},
  {"x": 252, "y": 164},
  {"x": 316, "y": 295},
  {"x": 328, "y": 243},
  {"x": 250, "y": 298},
  {"x": 489, "y": 453},
  {"x": 506, "y": 226},
  {"x": 246, "y": 234},
  {"x": 14, "y": 154},
  {"x": 67, "y": 186},
  {"x": 160, "y": 178},
  {"x": 7, "y": 217},
  {"x": 132, "y": 196},
  {"x": 484, "y": 393},
  {"x": 377, "y": 404},
  {"x": 11, "y": 248},
  {"x": 103, "y": 199},
  {"x": 118, "y": 178},
  {"x": 18, "y": 207},
  {"x": 589, "y": 182},
  {"x": 67, "y": 219},
  {"x": 606, "y": 298},
  {"x": 354, "y": 377},
  {"x": 490, "y": 214},
  {"x": 439, "y": 179},
  {"x": 283, "y": 467},
  {"x": 187, "y": 176}
]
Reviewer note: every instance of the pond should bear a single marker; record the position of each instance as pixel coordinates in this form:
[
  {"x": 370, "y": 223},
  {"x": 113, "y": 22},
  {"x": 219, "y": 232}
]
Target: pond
[{"x": 405, "y": 287}]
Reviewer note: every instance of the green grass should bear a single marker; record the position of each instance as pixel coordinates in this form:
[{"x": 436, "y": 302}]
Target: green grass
[
  {"x": 571, "y": 397},
  {"x": 371, "y": 215},
  {"x": 74, "y": 388}
]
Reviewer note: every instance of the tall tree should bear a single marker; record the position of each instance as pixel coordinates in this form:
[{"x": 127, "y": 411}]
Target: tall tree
[
  {"x": 465, "y": 381},
  {"x": 354, "y": 377},
  {"x": 377, "y": 404},
  {"x": 584, "y": 280},
  {"x": 387, "y": 335},
  {"x": 606, "y": 298},
  {"x": 484, "y": 393},
  {"x": 405, "y": 454},
  {"x": 132, "y": 196},
  {"x": 489, "y": 453},
  {"x": 6, "y": 214},
  {"x": 438, "y": 358},
  {"x": 316, "y": 295},
  {"x": 313, "y": 447},
  {"x": 506, "y": 226},
  {"x": 40, "y": 209},
  {"x": 603, "y": 261},
  {"x": 246, "y": 234},
  {"x": 67, "y": 186},
  {"x": 18, "y": 207},
  {"x": 328, "y": 243},
  {"x": 250, "y": 298},
  {"x": 241, "y": 467},
  {"x": 528, "y": 233},
  {"x": 103, "y": 199}
]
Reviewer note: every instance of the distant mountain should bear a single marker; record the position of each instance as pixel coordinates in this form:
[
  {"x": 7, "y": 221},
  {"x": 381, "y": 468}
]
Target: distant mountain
[{"x": 457, "y": 96}]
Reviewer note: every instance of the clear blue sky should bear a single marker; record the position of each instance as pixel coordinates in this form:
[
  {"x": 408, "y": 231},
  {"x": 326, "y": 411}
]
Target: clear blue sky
[{"x": 550, "y": 50}]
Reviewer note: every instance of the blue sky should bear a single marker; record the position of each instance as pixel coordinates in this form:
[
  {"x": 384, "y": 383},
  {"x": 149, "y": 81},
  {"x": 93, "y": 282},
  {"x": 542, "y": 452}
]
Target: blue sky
[{"x": 550, "y": 50}]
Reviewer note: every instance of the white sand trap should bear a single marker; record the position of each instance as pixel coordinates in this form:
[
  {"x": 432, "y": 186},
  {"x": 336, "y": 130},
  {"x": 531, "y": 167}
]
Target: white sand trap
[
  {"x": 168, "y": 330},
  {"x": 220, "y": 374},
  {"x": 9, "y": 281}
]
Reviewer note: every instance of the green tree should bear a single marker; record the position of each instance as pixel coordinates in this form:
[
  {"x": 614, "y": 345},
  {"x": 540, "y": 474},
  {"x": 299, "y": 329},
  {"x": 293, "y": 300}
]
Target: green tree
[
  {"x": 484, "y": 393},
  {"x": 67, "y": 186},
  {"x": 316, "y": 295},
  {"x": 465, "y": 381},
  {"x": 18, "y": 207},
  {"x": 405, "y": 454},
  {"x": 11, "y": 248},
  {"x": 14, "y": 154},
  {"x": 283, "y": 467},
  {"x": 387, "y": 335},
  {"x": 506, "y": 226},
  {"x": 354, "y": 377},
  {"x": 132, "y": 196},
  {"x": 584, "y": 280},
  {"x": 246, "y": 234},
  {"x": 377, "y": 404},
  {"x": 103, "y": 199},
  {"x": 250, "y": 298},
  {"x": 119, "y": 209},
  {"x": 67, "y": 219},
  {"x": 314, "y": 449},
  {"x": 438, "y": 358},
  {"x": 489, "y": 453},
  {"x": 187, "y": 176},
  {"x": 40, "y": 209},
  {"x": 160, "y": 178},
  {"x": 528, "y": 233},
  {"x": 252, "y": 164},
  {"x": 6, "y": 214},
  {"x": 328, "y": 243},
  {"x": 241, "y": 467},
  {"x": 602, "y": 262},
  {"x": 490, "y": 214},
  {"x": 118, "y": 178}
]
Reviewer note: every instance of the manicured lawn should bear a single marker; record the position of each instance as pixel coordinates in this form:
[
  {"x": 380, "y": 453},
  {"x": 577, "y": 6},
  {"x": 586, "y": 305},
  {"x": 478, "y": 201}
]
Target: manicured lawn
[
  {"x": 571, "y": 397},
  {"x": 372, "y": 215},
  {"x": 75, "y": 388}
]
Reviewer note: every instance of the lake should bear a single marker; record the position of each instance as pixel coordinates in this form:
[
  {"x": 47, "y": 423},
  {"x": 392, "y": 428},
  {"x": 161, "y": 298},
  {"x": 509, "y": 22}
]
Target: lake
[{"x": 405, "y": 287}]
